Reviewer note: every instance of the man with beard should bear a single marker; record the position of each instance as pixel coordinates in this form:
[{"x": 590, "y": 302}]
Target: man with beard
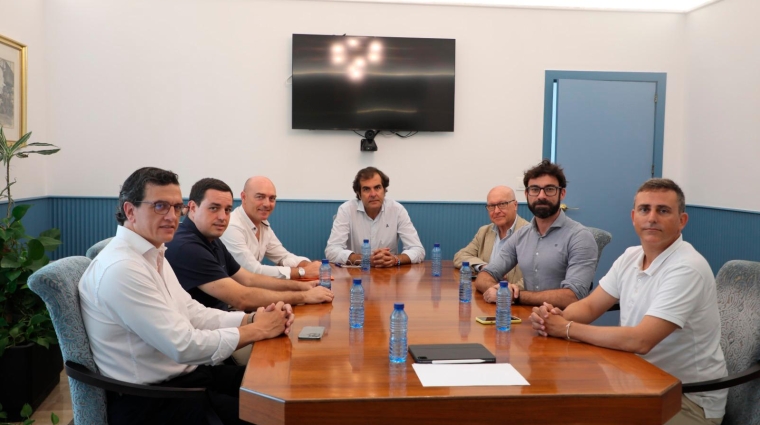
[{"x": 557, "y": 255}]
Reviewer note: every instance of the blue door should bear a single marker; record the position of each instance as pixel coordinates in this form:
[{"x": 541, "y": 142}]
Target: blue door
[{"x": 606, "y": 132}]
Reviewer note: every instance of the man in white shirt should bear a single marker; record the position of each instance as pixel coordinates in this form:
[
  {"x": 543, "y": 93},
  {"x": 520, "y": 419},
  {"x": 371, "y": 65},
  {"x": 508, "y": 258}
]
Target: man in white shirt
[
  {"x": 668, "y": 304},
  {"x": 372, "y": 216},
  {"x": 250, "y": 238},
  {"x": 145, "y": 329}
]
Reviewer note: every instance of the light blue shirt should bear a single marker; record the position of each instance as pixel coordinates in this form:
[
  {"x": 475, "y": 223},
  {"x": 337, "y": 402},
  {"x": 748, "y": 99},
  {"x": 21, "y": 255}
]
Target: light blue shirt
[
  {"x": 498, "y": 243},
  {"x": 352, "y": 225}
]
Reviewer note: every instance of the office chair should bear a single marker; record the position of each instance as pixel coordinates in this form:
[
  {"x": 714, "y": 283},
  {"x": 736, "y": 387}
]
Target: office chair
[
  {"x": 738, "y": 284},
  {"x": 94, "y": 250},
  {"x": 602, "y": 238},
  {"x": 58, "y": 285}
]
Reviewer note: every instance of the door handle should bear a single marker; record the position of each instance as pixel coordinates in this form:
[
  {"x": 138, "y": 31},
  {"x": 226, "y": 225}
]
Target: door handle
[{"x": 564, "y": 207}]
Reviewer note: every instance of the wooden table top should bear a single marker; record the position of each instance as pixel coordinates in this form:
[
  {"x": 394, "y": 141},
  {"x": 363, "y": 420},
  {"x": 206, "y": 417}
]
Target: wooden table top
[{"x": 346, "y": 377}]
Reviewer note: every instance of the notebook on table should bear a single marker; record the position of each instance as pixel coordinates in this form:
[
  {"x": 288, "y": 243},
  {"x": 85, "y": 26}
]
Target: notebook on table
[{"x": 451, "y": 353}]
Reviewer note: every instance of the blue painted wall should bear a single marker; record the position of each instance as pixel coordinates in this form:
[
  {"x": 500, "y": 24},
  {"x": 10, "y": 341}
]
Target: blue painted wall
[{"x": 304, "y": 226}]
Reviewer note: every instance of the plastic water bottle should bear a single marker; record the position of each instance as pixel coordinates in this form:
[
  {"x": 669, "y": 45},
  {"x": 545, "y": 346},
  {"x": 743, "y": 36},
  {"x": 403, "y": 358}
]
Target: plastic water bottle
[
  {"x": 465, "y": 283},
  {"x": 325, "y": 278},
  {"x": 397, "y": 348},
  {"x": 436, "y": 259},
  {"x": 366, "y": 253},
  {"x": 503, "y": 307},
  {"x": 356, "y": 311}
]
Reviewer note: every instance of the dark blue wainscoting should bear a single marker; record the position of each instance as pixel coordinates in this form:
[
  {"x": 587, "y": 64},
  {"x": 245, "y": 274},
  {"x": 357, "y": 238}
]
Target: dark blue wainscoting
[{"x": 304, "y": 226}]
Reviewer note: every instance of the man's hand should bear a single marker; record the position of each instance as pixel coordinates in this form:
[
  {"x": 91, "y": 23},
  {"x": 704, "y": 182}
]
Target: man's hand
[
  {"x": 490, "y": 295},
  {"x": 311, "y": 269},
  {"x": 515, "y": 290},
  {"x": 273, "y": 320},
  {"x": 548, "y": 321},
  {"x": 290, "y": 316},
  {"x": 318, "y": 294},
  {"x": 383, "y": 258}
]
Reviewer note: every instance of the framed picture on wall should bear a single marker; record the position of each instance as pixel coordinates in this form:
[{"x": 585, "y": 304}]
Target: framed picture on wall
[{"x": 12, "y": 88}]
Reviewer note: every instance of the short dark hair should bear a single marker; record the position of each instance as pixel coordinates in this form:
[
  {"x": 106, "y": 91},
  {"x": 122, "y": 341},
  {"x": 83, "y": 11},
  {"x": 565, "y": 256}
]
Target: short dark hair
[
  {"x": 546, "y": 168},
  {"x": 366, "y": 174},
  {"x": 133, "y": 189},
  {"x": 198, "y": 191},
  {"x": 656, "y": 185}
]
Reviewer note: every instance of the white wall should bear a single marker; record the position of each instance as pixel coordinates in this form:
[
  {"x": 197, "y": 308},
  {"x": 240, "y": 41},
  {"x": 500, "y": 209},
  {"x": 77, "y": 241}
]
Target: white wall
[
  {"x": 200, "y": 87},
  {"x": 23, "y": 21},
  {"x": 723, "y": 105}
]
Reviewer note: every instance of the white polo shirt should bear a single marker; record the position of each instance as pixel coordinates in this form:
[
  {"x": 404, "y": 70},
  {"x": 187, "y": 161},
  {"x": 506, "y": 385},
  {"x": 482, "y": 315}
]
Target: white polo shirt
[{"x": 678, "y": 287}]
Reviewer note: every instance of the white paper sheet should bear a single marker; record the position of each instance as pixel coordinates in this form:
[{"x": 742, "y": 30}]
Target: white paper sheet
[{"x": 464, "y": 375}]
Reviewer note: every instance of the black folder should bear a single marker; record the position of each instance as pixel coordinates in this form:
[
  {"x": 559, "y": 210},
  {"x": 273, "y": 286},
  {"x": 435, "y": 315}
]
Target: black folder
[{"x": 453, "y": 353}]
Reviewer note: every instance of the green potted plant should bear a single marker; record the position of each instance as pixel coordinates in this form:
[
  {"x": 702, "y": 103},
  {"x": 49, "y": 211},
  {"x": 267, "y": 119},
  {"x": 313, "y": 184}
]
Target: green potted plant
[{"x": 30, "y": 361}]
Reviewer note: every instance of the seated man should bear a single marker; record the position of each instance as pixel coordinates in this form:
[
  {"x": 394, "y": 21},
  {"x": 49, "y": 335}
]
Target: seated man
[
  {"x": 249, "y": 238},
  {"x": 502, "y": 210},
  {"x": 207, "y": 270},
  {"x": 668, "y": 304},
  {"x": 145, "y": 329},
  {"x": 557, "y": 255},
  {"x": 371, "y": 216}
]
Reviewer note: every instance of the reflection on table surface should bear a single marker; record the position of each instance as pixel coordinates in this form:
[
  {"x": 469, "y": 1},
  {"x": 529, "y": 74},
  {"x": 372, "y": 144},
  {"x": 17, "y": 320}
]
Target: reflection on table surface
[{"x": 346, "y": 377}]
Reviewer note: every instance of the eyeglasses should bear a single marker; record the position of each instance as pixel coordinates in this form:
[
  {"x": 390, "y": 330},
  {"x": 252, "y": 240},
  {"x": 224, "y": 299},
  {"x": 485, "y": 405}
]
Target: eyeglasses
[
  {"x": 548, "y": 190},
  {"x": 502, "y": 206},
  {"x": 163, "y": 207}
]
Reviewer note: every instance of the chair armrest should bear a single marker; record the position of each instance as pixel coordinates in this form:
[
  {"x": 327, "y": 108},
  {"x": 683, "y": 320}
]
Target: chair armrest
[
  {"x": 82, "y": 374},
  {"x": 752, "y": 372}
]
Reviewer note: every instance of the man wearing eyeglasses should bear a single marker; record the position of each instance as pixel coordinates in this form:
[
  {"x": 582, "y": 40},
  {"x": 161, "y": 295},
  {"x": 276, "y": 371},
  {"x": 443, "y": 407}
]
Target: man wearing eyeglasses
[
  {"x": 372, "y": 216},
  {"x": 488, "y": 241},
  {"x": 145, "y": 329},
  {"x": 557, "y": 255}
]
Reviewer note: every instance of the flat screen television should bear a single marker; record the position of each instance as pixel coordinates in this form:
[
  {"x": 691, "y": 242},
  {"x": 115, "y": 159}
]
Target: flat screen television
[{"x": 379, "y": 83}]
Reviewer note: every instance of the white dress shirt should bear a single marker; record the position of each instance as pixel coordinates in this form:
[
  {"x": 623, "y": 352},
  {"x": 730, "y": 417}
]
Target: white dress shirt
[
  {"x": 678, "y": 287},
  {"x": 241, "y": 241},
  {"x": 352, "y": 225},
  {"x": 143, "y": 327}
]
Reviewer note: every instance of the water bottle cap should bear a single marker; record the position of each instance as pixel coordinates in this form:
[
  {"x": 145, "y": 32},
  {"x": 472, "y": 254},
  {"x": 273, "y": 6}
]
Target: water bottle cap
[
  {"x": 366, "y": 241},
  {"x": 398, "y": 306},
  {"x": 325, "y": 261},
  {"x": 503, "y": 283},
  {"x": 436, "y": 245},
  {"x": 465, "y": 264},
  {"x": 357, "y": 281}
]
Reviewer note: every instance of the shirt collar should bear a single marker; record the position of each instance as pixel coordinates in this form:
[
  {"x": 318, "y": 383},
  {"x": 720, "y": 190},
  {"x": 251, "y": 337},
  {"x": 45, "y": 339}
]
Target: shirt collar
[
  {"x": 559, "y": 222},
  {"x": 652, "y": 269},
  {"x": 511, "y": 230},
  {"x": 189, "y": 226},
  {"x": 137, "y": 242}
]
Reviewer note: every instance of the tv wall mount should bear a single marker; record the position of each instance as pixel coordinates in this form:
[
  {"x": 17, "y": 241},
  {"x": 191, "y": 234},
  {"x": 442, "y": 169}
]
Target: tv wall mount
[{"x": 368, "y": 143}]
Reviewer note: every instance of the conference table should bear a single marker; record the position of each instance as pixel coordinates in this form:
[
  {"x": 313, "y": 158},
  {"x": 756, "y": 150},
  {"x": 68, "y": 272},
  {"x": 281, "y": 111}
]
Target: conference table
[{"x": 346, "y": 378}]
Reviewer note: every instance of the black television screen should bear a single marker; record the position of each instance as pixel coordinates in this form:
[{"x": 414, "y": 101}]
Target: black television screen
[{"x": 379, "y": 83}]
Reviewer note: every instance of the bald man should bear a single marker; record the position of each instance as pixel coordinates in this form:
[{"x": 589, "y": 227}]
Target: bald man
[
  {"x": 249, "y": 238},
  {"x": 501, "y": 205}
]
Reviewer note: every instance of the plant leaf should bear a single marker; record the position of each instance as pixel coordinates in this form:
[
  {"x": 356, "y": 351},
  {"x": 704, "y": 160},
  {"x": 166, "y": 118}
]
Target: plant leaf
[
  {"x": 49, "y": 243},
  {"x": 20, "y": 142},
  {"x": 43, "y": 342},
  {"x": 54, "y": 418},
  {"x": 41, "y": 144},
  {"x": 19, "y": 211},
  {"x": 36, "y": 250},
  {"x": 42, "y": 152},
  {"x": 52, "y": 233},
  {"x": 26, "y": 411},
  {"x": 9, "y": 263},
  {"x": 37, "y": 319},
  {"x": 13, "y": 275}
]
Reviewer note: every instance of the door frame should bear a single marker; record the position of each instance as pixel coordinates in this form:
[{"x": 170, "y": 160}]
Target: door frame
[{"x": 659, "y": 78}]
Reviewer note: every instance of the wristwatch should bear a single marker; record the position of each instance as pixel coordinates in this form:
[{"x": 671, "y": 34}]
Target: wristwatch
[{"x": 301, "y": 272}]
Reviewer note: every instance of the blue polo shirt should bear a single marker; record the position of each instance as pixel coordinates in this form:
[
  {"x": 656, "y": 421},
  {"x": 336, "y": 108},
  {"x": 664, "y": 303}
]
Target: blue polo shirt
[{"x": 197, "y": 261}]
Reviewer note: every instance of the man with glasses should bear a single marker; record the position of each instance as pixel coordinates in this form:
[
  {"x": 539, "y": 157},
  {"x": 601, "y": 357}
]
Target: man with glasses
[
  {"x": 488, "y": 241},
  {"x": 145, "y": 329},
  {"x": 372, "y": 216},
  {"x": 557, "y": 255}
]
